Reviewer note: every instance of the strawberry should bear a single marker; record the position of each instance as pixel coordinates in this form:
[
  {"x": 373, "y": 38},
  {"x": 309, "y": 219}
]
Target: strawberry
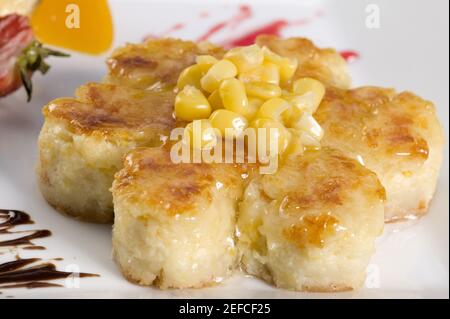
[{"x": 20, "y": 54}]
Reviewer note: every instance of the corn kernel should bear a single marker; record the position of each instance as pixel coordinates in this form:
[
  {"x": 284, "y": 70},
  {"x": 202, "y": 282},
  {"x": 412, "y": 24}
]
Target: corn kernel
[
  {"x": 268, "y": 72},
  {"x": 190, "y": 76},
  {"x": 305, "y": 85},
  {"x": 287, "y": 66},
  {"x": 225, "y": 119},
  {"x": 273, "y": 109},
  {"x": 245, "y": 58},
  {"x": 215, "y": 100},
  {"x": 200, "y": 134},
  {"x": 309, "y": 141},
  {"x": 304, "y": 103},
  {"x": 191, "y": 104},
  {"x": 270, "y": 56},
  {"x": 234, "y": 98},
  {"x": 291, "y": 116},
  {"x": 309, "y": 125},
  {"x": 274, "y": 135},
  {"x": 304, "y": 140},
  {"x": 295, "y": 146},
  {"x": 220, "y": 71},
  {"x": 205, "y": 62},
  {"x": 255, "y": 101},
  {"x": 300, "y": 104},
  {"x": 253, "y": 106},
  {"x": 262, "y": 90}
]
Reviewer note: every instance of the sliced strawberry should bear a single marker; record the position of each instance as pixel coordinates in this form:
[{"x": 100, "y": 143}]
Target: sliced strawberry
[
  {"x": 15, "y": 36},
  {"x": 20, "y": 54}
]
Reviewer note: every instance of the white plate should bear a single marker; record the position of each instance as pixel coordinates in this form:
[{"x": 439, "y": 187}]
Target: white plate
[{"x": 408, "y": 51}]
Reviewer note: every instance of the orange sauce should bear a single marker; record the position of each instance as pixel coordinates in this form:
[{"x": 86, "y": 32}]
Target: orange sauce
[{"x": 80, "y": 25}]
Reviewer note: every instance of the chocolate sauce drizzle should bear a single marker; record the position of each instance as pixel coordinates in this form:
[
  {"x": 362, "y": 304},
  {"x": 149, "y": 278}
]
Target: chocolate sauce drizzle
[
  {"x": 42, "y": 272},
  {"x": 26, "y": 240},
  {"x": 30, "y": 272},
  {"x": 13, "y": 218}
]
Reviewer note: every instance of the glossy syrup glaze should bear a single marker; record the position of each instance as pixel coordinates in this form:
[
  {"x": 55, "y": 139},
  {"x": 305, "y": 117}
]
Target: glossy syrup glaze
[{"x": 312, "y": 230}]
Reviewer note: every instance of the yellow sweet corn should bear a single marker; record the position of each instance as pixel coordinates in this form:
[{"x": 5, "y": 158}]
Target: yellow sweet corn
[
  {"x": 200, "y": 135},
  {"x": 215, "y": 100},
  {"x": 225, "y": 119},
  {"x": 262, "y": 90},
  {"x": 191, "y": 104},
  {"x": 220, "y": 71},
  {"x": 299, "y": 104},
  {"x": 255, "y": 101},
  {"x": 234, "y": 98},
  {"x": 205, "y": 62},
  {"x": 302, "y": 140},
  {"x": 295, "y": 146},
  {"x": 309, "y": 141},
  {"x": 190, "y": 76},
  {"x": 271, "y": 135},
  {"x": 245, "y": 58},
  {"x": 287, "y": 66},
  {"x": 268, "y": 72},
  {"x": 309, "y": 125},
  {"x": 253, "y": 106},
  {"x": 273, "y": 109},
  {"x": 305, "y": 85},
  {"x": 304, "y": 103},
  {"x": 243, "y": 87}
]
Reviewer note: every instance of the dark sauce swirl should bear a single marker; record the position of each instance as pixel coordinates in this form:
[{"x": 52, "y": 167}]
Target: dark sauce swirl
[
  {"x": 16, "y": 271},
  {"x": 11, "y": 218},
  {"x": 31, "y": 272}
]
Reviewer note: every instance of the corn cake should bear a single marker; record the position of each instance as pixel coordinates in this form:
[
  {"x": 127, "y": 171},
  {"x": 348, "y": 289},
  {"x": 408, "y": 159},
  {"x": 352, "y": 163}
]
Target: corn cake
[
  {"x": 312, "y": 225},
  {"x": 174, "y": 223},
  {"x": 84, "y": 139},
  {"x": 156, "y": 63},
  {"x": 396, "y": 135}
]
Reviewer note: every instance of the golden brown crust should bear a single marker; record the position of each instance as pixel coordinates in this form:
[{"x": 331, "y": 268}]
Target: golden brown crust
[
  {"x": 323, "y": 180},
  {"x": 313, "y": 187},
  {"x": 397, "y": 135},
  {"x": 376, "y": 124},
  {"x": 325, "y": 65},
  {"x": 312, "y": 230},
  {"x": 156, "y": 63},
  {"x": 109, "y": 109},
  {"x": 149, "y": 176},
  {"x": 311, "y": 226}
]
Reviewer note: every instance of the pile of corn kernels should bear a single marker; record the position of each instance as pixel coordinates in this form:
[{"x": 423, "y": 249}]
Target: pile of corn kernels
[{"x": 243, "y": 90}]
